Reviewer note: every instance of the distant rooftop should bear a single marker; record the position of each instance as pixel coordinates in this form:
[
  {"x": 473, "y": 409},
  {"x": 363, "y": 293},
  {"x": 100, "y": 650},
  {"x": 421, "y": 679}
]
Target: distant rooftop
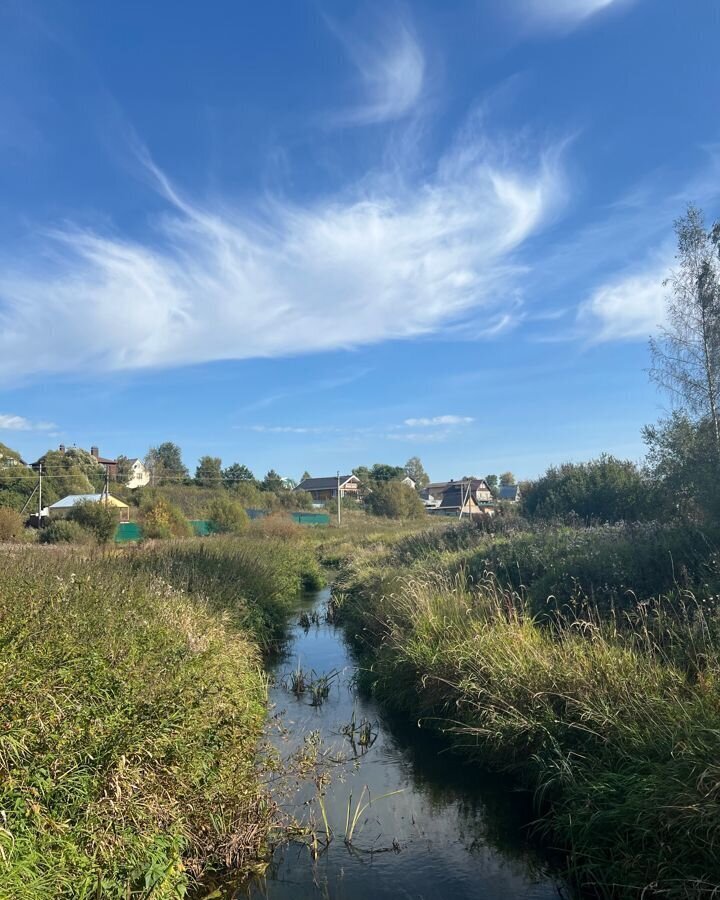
[
  {"x": 73, "y": 500},
  {"x": 322, "y": 484}
]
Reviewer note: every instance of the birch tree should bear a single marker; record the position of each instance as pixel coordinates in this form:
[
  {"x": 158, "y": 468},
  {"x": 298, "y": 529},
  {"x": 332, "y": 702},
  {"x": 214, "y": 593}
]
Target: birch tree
[{"x": 686, "y": 355}]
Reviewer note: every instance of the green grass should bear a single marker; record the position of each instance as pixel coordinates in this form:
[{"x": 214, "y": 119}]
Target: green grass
[
  {"x": 132, "y": 697},
  {"x": 613, "y": 719},
  {"x": 253, "y": 578}
]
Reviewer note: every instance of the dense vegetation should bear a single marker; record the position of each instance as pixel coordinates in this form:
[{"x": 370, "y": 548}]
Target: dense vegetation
[
  {"x": 132, "y": 697},
  {"x": 613, "y": 719}
]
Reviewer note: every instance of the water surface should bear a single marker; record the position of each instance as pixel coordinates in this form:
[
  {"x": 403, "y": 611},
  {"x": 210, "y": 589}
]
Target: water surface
[{"x": 453, "y": 831}]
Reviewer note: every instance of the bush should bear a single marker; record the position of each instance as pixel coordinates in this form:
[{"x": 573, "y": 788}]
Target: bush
[
  {"x": 394, "y": 500},
  {"x": 163, "y": 520},
  {"x": 227, "y": 516},
  {"x": 11, "y": 524},
  {"x": 610, "y": 567},
  {"x": 98, "y": 519},
  {"x": 277, "y": 525},
  {"x": 602, "y": 490},
  {"x": 63, "y": 531}
]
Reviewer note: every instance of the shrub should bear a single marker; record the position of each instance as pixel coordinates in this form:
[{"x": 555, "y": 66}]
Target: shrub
[
  {"x": 64, "y": 531},
  {"x": 98, "y": 519},
  {"x": 11, "y": 524},
  {"x": 277, "y": 525},
  {"x": 227, "y": 516},
  {"x": 163, "y": 520},
  {"x": 605, "y": 490},
  {"x": 394, "y": 500}
]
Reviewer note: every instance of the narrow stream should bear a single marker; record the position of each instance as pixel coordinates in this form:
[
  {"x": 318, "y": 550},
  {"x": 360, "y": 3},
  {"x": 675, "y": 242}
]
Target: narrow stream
[{"x": 450, "y": 832}]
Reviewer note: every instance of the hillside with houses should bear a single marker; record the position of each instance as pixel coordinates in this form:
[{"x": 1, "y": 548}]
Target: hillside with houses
[{"x": 64, "y": 480}]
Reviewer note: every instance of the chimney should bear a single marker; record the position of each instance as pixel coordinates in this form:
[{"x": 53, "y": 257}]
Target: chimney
[
  {"x": 61, "y": 448},
  {"x": 94, "y": 452}
]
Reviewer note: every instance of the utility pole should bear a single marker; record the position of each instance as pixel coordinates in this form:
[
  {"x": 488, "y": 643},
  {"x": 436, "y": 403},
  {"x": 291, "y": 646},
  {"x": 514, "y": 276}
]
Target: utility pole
[
  {"x": 338, "y": 495},
  {"x": 39, "y": 495},
  {"x": 465, "y": 498}
]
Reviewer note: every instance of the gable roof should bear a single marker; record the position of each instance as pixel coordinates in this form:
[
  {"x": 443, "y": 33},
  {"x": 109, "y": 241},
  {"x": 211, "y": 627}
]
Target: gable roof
[
  {"x": 454, "y": 496},
  {"x": 439, "y": 487},
  {"x": 508, "y": 491},
  {"x": 73, "y": 500},
  {"x": 324, "y": 484}
]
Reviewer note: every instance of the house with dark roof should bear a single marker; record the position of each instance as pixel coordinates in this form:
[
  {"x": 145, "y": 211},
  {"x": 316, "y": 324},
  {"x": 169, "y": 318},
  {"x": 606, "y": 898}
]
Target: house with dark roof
[
  {"x": 109, "y": 464},
  {"x": 479, "y": 493},
  {"x": 509, "y": 492},
  {"x": 324, "y": 489},
  {"x": 468, "y": 497}
]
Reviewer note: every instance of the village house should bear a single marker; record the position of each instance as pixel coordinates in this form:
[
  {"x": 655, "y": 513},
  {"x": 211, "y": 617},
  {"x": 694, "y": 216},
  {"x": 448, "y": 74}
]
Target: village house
[
  {"x": 10, "y": 459},
  {"x": 110, "y": 465},
  {"x": 63, "y": 507},
  {"x": 509, "y": 492},
  {"x": 138, "y": 474},
  {"x": 324, "y": 489},
  {"x": 453, "y": 498}
]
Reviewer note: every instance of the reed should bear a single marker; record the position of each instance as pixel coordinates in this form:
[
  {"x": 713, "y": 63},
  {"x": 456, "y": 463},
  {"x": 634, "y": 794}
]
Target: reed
[
  {"x": 611, "y": 715},
  {"x": 132, "y": 698}
]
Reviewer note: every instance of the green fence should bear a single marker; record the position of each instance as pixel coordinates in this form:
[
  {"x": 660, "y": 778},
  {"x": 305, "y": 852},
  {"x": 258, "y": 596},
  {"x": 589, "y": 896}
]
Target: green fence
[
  {"x": 307, "y": 518},
  {"x": 127, "y": 532},
  {"x": 201, "y": 527}
]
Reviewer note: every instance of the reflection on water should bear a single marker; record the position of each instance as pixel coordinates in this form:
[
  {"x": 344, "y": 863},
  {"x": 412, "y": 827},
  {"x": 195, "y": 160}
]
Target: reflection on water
[{"x": 450, "y": 832}]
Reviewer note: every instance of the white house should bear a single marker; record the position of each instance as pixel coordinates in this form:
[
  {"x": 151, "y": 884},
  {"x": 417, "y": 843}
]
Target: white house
[{"x": 139, "y": 475}]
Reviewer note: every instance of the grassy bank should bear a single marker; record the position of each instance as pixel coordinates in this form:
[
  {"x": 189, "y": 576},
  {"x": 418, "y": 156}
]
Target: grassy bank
[
  {"x": 611, "y": 716},
  {"x": 131, "y": 698}
]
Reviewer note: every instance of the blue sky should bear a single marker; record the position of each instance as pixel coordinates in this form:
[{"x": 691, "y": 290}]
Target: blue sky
[{"x": 314, "y": 235}]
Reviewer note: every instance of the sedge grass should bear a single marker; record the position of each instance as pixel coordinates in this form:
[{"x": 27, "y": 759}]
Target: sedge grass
[
  {"x": 132, "y": 697},
  {"x": 612, "y": 719}
]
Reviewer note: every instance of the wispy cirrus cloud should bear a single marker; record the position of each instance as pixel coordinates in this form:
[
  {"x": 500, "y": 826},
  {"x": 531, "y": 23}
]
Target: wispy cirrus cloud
[
  {"x": 391, "y": 66},
  {"x": 439, "y": 420},
  {"x": 630, "y": 306},
  {"x": 382, "y": 259},
  {"x": 625, "y": 301},
  {"x": 565, "y": 14},
  {"x": 20, "y": 423}
]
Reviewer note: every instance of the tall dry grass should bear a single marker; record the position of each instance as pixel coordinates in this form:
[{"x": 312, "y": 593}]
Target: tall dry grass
[
  {"x": 131, "y": 700},
  {"x": 612, "y": 719}
]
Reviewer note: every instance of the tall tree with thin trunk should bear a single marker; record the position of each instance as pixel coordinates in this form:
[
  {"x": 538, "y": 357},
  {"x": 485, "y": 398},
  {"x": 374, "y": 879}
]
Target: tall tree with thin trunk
[{"x": 686, "y": 355}]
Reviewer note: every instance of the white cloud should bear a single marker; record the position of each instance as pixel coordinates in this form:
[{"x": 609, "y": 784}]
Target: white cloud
[
  {"x": 20, "y": 423},
  {"x": 565, "y": 13},
  {"x": 383, "y": 260},
  {"x": 629, "y": 307},
  {"x": 392, "y": 71},
  {"x": 439, "y": 420},
  {"x": 420, "y": 437},
  {"x": 289, "y": 429}
]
